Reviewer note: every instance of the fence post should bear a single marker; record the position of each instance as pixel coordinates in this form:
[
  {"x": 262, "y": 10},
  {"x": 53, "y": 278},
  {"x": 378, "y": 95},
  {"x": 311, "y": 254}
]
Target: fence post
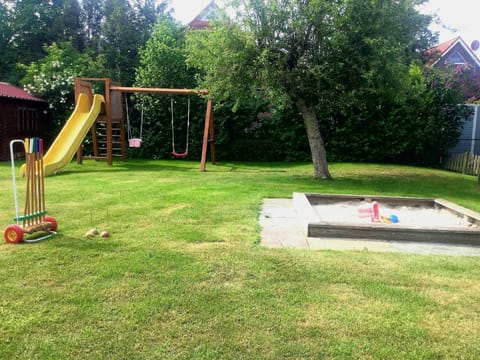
[{"x": 466, "y": 162}]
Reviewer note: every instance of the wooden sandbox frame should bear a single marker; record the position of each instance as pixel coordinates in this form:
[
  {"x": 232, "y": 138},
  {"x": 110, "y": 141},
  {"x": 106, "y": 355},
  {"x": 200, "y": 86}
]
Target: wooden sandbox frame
[{"x": 315, "y": 227}]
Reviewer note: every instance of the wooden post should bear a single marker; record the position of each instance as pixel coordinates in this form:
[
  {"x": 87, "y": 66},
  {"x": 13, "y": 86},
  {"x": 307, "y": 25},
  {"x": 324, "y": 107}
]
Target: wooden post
[
  {"x": 93, "y": 131},
  {"x": 466, "y": 163},
  {"x": 42, "y": 181},
  {"x": 211, "y": 138},
  {"x": 108, "y": 116},
  {"x": 82, "y": 87},
  {"x": 117, "y": 119},
  {"x": 208, "y": 134}
]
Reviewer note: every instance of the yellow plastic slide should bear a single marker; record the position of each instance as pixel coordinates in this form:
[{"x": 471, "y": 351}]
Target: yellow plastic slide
[{"x": 71, "y": 136}]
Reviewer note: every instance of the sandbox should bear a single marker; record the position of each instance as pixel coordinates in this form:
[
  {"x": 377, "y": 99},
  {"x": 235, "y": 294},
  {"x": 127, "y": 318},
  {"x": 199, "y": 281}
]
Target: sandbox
[{"x": 419, "y": 219}]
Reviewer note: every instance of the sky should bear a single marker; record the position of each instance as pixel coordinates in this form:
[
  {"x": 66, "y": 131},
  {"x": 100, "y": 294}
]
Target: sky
[
  {"x": 187, "y": 10},
  {"x": 458, "y": 17}
]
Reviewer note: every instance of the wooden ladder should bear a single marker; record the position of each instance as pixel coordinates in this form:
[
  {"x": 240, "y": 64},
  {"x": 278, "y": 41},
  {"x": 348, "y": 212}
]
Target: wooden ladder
[{"x": 99, "y": 139}]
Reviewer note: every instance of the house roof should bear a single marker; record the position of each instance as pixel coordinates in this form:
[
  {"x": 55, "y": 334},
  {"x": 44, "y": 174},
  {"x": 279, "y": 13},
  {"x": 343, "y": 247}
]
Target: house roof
[
  {"x": 13, "y": 92},
  {"x": 441, "y": 50},
  {"x": 202, "y": 20}
]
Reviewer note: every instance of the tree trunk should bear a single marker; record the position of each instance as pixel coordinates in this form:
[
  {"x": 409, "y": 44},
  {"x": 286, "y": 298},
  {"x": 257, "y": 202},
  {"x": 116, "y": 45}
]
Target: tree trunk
[{"x": 317, "y": 146}]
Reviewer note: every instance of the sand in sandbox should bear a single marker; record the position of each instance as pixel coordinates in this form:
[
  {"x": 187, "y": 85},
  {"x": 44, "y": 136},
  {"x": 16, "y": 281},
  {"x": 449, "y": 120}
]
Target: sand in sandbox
[{"x": 347, "y": 212}]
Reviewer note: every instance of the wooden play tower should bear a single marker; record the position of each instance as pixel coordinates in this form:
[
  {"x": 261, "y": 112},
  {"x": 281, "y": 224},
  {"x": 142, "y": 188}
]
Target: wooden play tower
[{"x": 108, "y": 131}]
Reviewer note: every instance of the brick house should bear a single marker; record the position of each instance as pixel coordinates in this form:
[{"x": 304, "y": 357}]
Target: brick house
[{"x": 21, "y": 115}]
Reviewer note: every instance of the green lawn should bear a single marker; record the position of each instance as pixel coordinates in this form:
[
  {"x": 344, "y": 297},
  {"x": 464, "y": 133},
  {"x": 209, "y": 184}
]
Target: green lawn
[{"x": 182, "y": 275}]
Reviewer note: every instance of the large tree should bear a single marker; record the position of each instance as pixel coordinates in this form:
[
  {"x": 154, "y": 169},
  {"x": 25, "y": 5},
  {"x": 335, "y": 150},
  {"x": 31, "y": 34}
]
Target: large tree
[
  {"x": 30, "y": 22},
  {"x": 163, "y": 64},
  {"x": 92, "y": 16},
  {"x": 67, "y": 25},
  {"x": 314, "y": 54},
  {"x": 33, "y": 24},
  {"x": 125, "y": 30},
  {"x": 52, "y": 77},
  {"x": 7, "y": 54}
]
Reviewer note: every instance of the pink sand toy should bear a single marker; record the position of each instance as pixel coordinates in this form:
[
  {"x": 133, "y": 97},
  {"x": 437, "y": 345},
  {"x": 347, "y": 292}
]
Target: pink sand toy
[
  {"x": 134, "y": 143},
  {"x": 369, "y": 210},
  {"x": 375, "y": 211}
]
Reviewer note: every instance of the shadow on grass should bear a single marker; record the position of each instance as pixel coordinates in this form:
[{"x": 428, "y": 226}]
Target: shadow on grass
[
  {"x": 130, "y": 166},
  {"x": 85, "y": 244}
]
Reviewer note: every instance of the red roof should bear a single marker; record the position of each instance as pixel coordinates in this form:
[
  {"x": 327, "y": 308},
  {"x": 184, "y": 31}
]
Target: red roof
[
  {"x": 437, "y": 52},
  {"x": 441, "y": 48},
  {"x": 202, "y": 20},
  {"x": 13, "y": 92}
]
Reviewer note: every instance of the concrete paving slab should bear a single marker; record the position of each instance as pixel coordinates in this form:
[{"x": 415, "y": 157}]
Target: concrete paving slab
[{"x": 279, "y": 227}]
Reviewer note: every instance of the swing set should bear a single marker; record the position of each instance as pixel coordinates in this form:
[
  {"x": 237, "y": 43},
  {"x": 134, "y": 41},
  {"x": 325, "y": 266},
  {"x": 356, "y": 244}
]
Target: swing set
[
  {"x": 112, "y": 121},
  {"x": 136, "y": 142}
]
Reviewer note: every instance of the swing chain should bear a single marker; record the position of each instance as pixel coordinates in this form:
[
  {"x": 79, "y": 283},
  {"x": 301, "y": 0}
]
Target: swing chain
[
  {"x": 134, "y": 142},
  {"x": 174, "y": 152}
]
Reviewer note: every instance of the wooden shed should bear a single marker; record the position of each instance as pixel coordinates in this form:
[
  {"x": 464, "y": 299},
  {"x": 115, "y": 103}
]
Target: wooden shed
[{"x": 21, "y": 115}]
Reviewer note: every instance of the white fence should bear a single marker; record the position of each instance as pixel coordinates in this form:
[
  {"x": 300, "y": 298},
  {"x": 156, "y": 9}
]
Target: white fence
[{"x": 465, "y": 163}]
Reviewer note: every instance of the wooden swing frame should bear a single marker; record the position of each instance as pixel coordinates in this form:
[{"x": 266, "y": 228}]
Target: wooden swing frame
[{"x": 114, "y": 91}]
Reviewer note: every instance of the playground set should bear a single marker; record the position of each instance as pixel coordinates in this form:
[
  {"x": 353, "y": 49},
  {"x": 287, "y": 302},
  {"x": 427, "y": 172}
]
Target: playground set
[
  {"x": 103, "y": 115},
  {"x": 34, "y": 219},
  {"x": 109, "y": 139}
]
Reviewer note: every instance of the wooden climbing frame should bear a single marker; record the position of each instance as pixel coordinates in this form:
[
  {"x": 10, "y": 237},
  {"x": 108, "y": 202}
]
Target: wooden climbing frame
[{"x": 114, "y": 112}]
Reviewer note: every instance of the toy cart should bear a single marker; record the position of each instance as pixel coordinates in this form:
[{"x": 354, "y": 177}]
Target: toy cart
[{"x": 34, "y": 219}]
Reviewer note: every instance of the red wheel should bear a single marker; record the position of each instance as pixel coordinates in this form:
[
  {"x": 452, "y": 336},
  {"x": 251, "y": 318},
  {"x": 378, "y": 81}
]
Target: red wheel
[
  {"x": 52, "y": 221},
  {"x": 13, "y": 234}
]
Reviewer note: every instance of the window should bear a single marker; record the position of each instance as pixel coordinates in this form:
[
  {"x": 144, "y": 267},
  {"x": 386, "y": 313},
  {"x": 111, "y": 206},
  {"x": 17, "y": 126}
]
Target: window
[
  {"x": 27, "y": 119},
  {"x": 456, "y": 58}
]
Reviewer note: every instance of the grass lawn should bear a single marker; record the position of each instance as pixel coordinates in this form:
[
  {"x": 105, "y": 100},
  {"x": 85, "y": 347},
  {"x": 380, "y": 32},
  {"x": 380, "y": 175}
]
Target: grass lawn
[{"x": 182, "y": 275}]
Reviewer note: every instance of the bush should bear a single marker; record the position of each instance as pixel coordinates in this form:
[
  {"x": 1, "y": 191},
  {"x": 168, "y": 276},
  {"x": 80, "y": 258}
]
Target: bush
[{"x": 417, "y": 127}]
